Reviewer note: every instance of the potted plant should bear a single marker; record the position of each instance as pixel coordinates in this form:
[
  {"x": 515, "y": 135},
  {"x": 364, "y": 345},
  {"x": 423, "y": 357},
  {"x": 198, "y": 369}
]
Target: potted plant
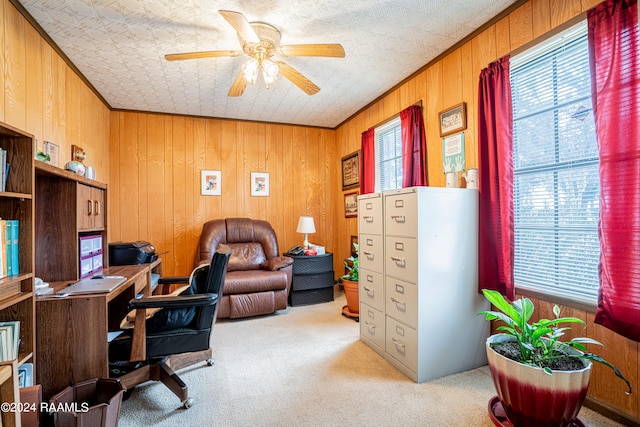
[
  {"x": 350, "y": 283},
  {"x": 540, "y": 380}
]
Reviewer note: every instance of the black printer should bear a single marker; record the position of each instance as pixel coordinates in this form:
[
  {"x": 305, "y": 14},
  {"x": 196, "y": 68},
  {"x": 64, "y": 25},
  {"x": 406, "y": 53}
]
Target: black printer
[{"x": 129, "y": 253}]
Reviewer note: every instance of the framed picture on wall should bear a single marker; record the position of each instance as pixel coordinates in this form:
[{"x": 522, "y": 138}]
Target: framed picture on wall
[
  {"x": 351, "y": 170},
  {"x": 453, "y": 120},
  {"x": 211, "y": 183},
  {"x": 260, "y": 184},
  {"x": 351, "y": 205}
]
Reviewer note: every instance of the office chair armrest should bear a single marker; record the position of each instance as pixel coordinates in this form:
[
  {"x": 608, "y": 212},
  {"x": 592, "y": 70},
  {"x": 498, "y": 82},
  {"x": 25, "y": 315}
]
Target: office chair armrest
[
  {"x": 178, "y": 301},
  {"x": 171, "y": 280}
]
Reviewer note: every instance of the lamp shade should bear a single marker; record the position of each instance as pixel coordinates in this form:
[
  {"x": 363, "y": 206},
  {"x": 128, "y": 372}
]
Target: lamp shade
[{"x": 306, "y": 225}]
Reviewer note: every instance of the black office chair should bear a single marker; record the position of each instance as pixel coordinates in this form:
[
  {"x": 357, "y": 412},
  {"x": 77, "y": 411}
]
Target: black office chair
[{"x": 174, "y": 337}]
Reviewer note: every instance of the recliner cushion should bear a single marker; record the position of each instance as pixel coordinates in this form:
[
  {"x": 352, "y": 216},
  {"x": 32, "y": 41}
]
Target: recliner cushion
[
  {"x": 249, "y": 281},
  {"x": 246, "y": 256}
]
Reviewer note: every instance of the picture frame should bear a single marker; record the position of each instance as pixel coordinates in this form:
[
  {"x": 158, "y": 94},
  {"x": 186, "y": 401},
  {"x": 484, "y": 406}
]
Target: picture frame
[
  {"x": 352, "y": 249},
  {"x": 453, "y": 120},
  {"x": 351, "y": 204},
  {"x": 259, "y": 184},
  {"x": 211, "y": 183},
  {"x": 351, "y": 170}
]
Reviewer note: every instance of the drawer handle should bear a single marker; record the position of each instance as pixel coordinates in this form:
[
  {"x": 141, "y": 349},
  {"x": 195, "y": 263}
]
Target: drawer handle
[
  {"x": 368, "y": 218},
  {"x": 399, "y": 261},
  {"x": 369, "y": 291},
  {"x": 89, "y": 207},
  {"x": 398, "y": 343},
  {"x": 369, "y": 255},
  {"x": 97, "y": 207},
  {"x": 398, "y": 302},
  {"x": 370, "y": 325},
  {"x": 398, "y": 218}
]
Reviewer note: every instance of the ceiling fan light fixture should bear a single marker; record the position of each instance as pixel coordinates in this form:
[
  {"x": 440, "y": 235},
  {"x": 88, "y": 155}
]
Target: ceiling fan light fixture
[
  {"x": 269, "y": 71},
  {"x": 250, "y": 70}
]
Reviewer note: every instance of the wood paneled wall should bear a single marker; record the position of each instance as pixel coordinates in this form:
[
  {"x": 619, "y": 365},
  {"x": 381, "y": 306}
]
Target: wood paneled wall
[
  {"x": 43, "y": 96},
  {"x": 156, "y": 180},
  {"x": 454, "y": 79}
]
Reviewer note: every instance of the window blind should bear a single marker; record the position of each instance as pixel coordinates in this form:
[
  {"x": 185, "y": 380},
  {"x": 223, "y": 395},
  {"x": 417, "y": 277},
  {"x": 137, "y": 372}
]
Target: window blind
[
  {"x": 388, "y": 155},
  {"x": 556, "y": 184}
]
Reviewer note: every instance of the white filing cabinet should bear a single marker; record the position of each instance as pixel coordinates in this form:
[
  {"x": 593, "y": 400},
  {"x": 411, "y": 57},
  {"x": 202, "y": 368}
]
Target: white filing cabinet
[
  {"x": 419, "y": 280},
  {"x": 371, "y": 282}
]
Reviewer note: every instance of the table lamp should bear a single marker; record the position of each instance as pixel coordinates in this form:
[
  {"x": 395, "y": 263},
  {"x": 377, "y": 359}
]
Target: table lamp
[{"x": 306, "y": 226}]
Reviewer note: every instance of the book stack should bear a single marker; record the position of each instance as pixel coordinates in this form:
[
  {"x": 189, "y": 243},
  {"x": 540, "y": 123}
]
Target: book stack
[
  {"x": 9, "y": 250},
  {"x": 4, "y": 168},
  {"x": 9, "y": 340}
]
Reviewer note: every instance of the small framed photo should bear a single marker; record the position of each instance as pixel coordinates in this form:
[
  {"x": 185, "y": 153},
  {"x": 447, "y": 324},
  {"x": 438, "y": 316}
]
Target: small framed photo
[
  {"x": 211, "y": 183},
  {"x": 453, "y": 120},
  {"x": 354, "y": 241},
  {"x": 52, "y": 150},
  {"x": 260, "y": 184},
  {"x": 351, "y": 170},
  {"x": 351, "y": 205}
]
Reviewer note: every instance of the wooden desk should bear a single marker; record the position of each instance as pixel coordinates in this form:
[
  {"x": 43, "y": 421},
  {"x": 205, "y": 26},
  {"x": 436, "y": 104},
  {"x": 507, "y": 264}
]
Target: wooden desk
[{"x": 71, "y": 332}]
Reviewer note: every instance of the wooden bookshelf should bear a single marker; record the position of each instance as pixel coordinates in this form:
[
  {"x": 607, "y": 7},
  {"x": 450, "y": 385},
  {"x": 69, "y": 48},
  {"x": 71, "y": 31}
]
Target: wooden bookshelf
[{"x": 16, "y": 291}]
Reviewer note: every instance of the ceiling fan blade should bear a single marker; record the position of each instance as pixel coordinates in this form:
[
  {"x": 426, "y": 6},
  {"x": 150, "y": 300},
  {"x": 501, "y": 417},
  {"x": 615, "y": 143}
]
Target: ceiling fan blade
[
  {"x": 241, "y": 25},
  {"x": 297, "y": 79},
  {"x": 196, "y": 55},
  {"x": 328, "y": 50},
  {"x": 238, "y": 86}
]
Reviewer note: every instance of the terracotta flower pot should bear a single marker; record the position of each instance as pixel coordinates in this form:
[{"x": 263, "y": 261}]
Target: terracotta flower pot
[
  {"x": 351, "y": 293},
  {"x": 533, "y": 398}
]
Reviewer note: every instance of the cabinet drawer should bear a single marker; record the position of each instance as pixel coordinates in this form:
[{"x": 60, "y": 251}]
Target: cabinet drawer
[
  {"x": 401, "y": 301},
  {"x": 372, "y": 325},
  {"x": 370, "y": 252},
  {"x": 370, "y": 214},
  {"x": 301, "y": 282},
  {"x": 401, "y": 214},
  {"x": 401, "y": 342},
  {"x": 372, "y": 288},
  {"x": 401, "y": 258},
  {"x": 312, "y": 264}
]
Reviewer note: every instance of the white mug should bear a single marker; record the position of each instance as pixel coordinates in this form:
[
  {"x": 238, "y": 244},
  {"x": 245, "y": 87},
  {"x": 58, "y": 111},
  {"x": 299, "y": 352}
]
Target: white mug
[
  {"x": 452, "y": 180},
  {"x": 471, "y": 176}
]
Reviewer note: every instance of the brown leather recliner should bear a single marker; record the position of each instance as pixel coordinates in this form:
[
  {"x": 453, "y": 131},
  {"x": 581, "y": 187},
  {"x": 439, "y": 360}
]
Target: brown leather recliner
[{"x": 258, "y": 279}]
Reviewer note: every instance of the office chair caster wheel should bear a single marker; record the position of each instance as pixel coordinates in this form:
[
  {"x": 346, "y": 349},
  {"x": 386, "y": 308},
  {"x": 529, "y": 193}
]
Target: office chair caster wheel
[
  {"x": 188, "y": 403},
  {"x": 211, "y": 361}
]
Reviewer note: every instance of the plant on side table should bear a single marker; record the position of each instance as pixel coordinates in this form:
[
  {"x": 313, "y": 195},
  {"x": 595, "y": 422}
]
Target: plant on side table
[
  {"x": 540, "y": 380},
  {"x": 350, "y": 282}
]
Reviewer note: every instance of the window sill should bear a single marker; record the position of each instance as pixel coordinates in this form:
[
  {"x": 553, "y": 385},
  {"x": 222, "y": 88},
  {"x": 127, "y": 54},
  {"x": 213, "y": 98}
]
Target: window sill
[{"x": 564, "y": 300}]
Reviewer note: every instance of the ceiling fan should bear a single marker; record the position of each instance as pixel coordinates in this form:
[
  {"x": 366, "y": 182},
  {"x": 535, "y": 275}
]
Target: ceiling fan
[{"x": 261, "y": 42}]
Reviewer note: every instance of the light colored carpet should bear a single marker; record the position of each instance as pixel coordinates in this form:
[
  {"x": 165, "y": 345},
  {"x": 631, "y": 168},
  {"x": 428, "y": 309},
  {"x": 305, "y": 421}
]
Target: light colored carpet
[{"x": 305, "y": 366}]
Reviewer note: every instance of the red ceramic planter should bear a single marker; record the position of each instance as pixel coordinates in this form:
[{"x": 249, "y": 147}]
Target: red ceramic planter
[{"x": 533, "y": 398}]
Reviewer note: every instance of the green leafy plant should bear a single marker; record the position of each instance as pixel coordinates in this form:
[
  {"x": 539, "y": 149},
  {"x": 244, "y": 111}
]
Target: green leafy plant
[
  {"x": 539, "y": 342},
  {"x": 351, "y": 265}
]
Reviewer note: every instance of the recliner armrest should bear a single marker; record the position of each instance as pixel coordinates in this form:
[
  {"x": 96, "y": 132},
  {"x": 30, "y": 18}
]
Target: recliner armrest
[
  {"x": 277, "y": 263},
  {"x": 179, "y": 301}
]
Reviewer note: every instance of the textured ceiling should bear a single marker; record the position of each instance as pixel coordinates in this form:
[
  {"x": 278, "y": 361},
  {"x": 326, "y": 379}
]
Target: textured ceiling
[{"x": 119, "y": 46}]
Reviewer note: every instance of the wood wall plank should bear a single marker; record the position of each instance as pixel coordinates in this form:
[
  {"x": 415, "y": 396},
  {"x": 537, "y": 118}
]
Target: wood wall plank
[
  {"x": 34, "y": 90},
  {"x": 15, "y": 86},
  {"x": 3, "y": 5}
]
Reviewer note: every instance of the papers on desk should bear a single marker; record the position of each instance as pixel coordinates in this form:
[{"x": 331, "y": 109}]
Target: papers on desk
[{"x": 113, "y": 335}]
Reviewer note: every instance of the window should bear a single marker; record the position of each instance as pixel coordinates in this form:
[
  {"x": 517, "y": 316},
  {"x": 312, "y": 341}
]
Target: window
[
  {"x": 556, "y": 184},
  {"x": 388, "y": 155}
]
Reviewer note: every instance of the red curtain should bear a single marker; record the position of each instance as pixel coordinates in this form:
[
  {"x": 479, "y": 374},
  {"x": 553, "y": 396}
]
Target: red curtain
[
  {"x": 368, "y": 162},
  {"x": 615, "y": 87},
  {"x": 495, "y": 179},
  {"x": 414, "y": 147}
]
